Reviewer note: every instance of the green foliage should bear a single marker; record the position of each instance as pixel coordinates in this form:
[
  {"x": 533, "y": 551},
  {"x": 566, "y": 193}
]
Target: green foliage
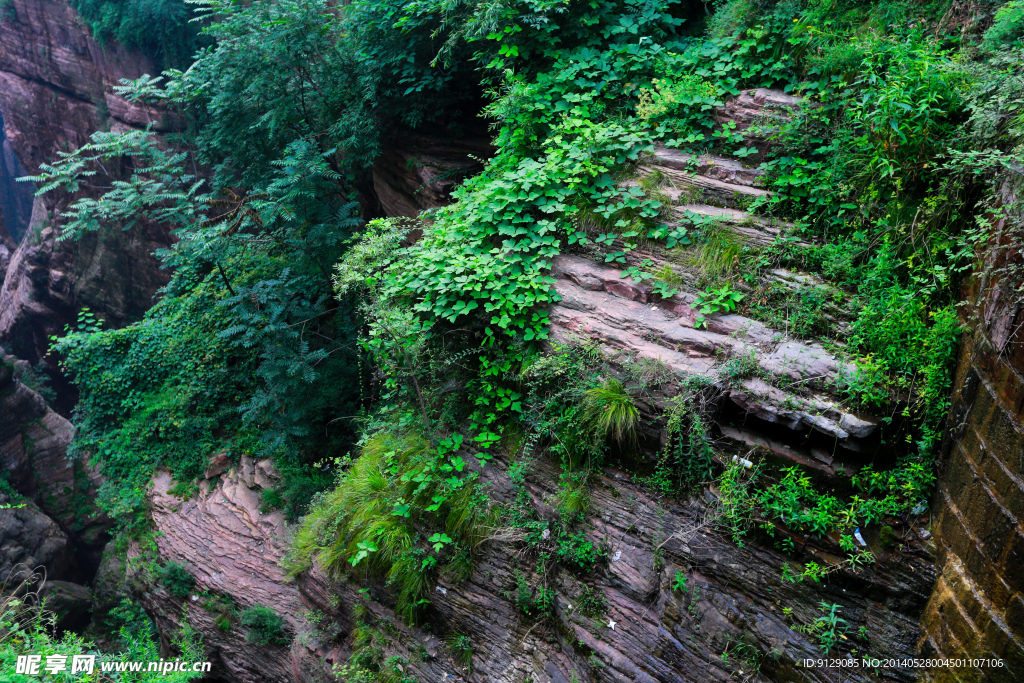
[
  {"x": 533, "y": 601},
  {"x": 264, "y": 626},
  {"x": 887, "y": 537},
  {"x": 366, "y": 523},
  {"x": 735, "y": 499},
  {"x": 592, "y": 602},
  {"x": 577, "y": 551},
  {"x": 27, "y": 628},
  {"x": 686, "y": 457},
  {"x": 830, "y": 627},
  {"x": 177, "y": 580},
  {"x": 257, "y": 347},
  {"x": 160, "y": 28},
  {"x": 721, "y": 300},
  {"x": 246, "y": 350},
  {"x": 1007, "y": 28},
  {"x": 716, "y": 254},
  {"x": 462, "y": 649}
]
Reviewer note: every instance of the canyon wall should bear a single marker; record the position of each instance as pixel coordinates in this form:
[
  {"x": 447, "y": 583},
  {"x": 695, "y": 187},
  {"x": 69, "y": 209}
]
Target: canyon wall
[
  {"x": 738, "y": 618},
  {"x": 15, "y": 197},
  {"x": 56, "y": 89}
]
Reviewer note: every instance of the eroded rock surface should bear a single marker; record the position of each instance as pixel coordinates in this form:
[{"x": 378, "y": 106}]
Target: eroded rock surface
[
  {"x": 30, "y": 540},
  {"x": 33, "y": 452},
  {"x": 735, "y": 601},
  {"x": 221, "y": 537}
]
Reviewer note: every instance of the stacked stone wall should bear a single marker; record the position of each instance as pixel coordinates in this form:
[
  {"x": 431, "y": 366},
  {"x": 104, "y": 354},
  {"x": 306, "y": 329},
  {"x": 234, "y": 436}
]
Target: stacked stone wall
[{"x": 977, "y": 607}]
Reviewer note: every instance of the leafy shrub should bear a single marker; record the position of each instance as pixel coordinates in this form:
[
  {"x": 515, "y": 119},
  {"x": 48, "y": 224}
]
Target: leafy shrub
[
  {"x": 721, "y": 300},
  {"x": 576, "y": 550},
  {"x": 265, "y": 626},
  {"x": 177, "y": 580},
  {"x": 1007, "y": 27},
  {"x": 830, "y": 627}
]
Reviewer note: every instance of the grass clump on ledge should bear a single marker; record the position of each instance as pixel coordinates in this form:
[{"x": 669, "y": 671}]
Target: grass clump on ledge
[
  {"x": 611, "y": 413},
  {"x": 368, "y": 525}
]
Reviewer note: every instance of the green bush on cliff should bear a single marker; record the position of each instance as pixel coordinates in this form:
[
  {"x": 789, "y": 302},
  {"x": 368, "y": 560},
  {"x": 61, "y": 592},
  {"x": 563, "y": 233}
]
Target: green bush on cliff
[
  {"x": 265, "y": 626},
  {"x": 177, "y": 580}
]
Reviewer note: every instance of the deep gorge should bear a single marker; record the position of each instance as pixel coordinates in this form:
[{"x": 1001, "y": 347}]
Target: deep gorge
[{"x": 609, "y": 341}]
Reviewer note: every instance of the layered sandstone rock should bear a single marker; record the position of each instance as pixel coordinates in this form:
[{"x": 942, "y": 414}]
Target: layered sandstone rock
[
  {"x": 232, "y": 549},
  {"x": 736, "y": 600},
  {"x": 774, "y": 390}
]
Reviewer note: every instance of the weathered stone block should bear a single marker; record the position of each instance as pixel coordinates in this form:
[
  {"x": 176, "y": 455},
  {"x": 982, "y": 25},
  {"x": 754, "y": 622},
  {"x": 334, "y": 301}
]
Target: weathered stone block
[
  {"x": 1005, "y": 441},
  {"x": 1013, "y": 563}
]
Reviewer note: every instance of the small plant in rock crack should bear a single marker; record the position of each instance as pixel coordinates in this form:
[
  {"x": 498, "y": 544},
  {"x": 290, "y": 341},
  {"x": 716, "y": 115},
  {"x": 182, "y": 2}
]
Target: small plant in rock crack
[
  {"x": 830, "y": 627},
  {"x": 679, "y": 584},
  {"x": 592, "y": 602},
  {"x": 462, "y": 649},
  {"x": 539, "y": 601},
  {"x": 712, "y": 301},
  {"x": 576, "y": 550},
  {"x": 695, "y": 601}
]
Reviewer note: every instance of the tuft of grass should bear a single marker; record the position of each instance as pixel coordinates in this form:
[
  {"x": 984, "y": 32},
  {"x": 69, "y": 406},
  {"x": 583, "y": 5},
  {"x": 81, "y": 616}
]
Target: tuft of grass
[
  {"x": 592, "y": 602},
  {"x": 716, "y": 255},
  {"x": 610, "y": 413},
  {"x": 470, "y": 518},
  {"x": 355, "y": 528},
  {"x": 462, "y": 649},
  {"x": 358, "y": 511},
  {"x": 574, "y": 494},
  {"x": 410, "y": 583}
]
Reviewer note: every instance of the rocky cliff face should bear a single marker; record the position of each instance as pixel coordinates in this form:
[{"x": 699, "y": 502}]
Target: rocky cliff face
[
  {"x": 771, "y": 393},
  {"x": 55, "y": 91},
  {"x": 418, "y": 171},
  {"x": 15, "y": 198},
  {"x": 737, "y": 616},
  {"x": 49, "y": 520},
  {"x": 33, "y": 454}
]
